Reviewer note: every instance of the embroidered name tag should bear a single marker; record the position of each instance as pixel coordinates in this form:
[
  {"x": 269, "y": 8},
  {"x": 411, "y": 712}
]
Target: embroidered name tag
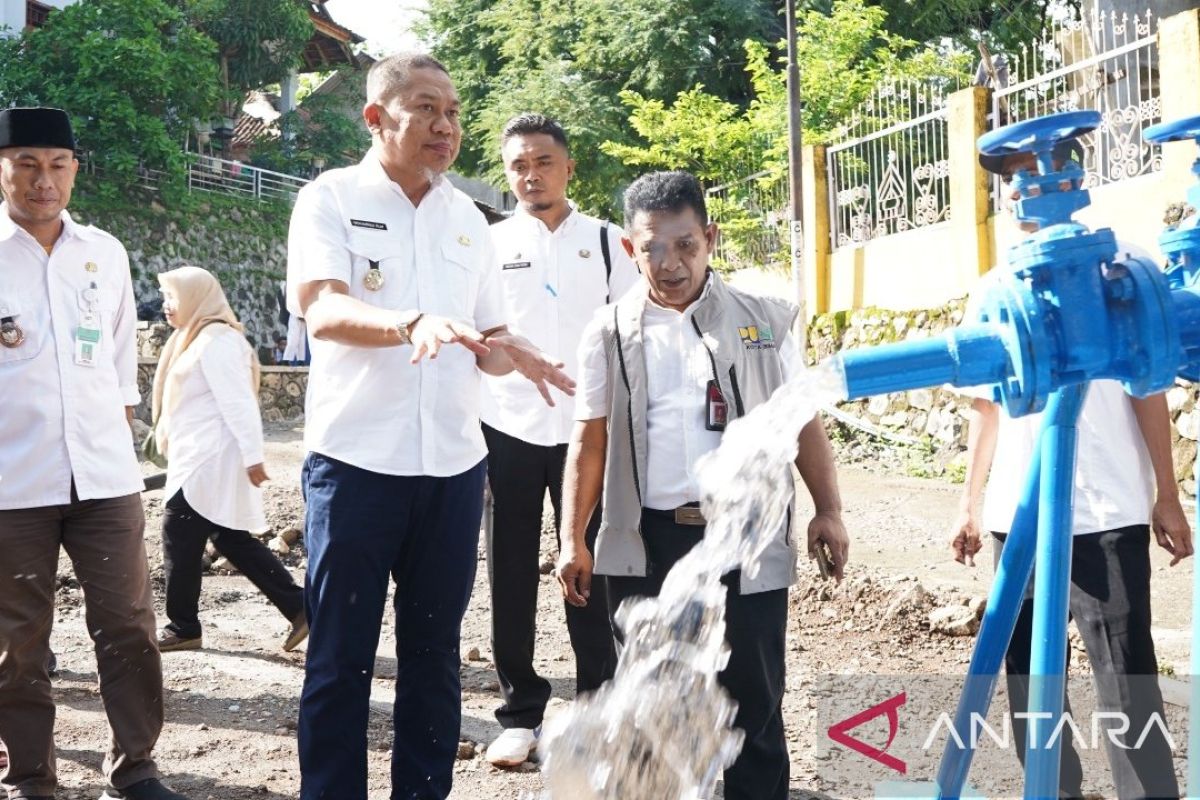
[
  {"x": 518, "y": 265},
  {"x": 363, "y": 223},
  {"x": 757, "y": 337}
]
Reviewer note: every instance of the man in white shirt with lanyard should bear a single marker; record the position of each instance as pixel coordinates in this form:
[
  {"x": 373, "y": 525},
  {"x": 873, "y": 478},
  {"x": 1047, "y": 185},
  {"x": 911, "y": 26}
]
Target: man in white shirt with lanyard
[
  {"x": 69, "y": 477},
  {"x": 392, "y": 268},
  {"x": 557, "y": 266},
  {"x": 1124, "y": 488},
  {"x": 661, "y": 371}
]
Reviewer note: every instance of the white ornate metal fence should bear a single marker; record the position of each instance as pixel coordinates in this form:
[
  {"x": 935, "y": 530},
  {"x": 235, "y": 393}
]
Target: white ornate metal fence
[
  {"x": 753, "y": 216},
  {"x": 1105, "y": 62},
  {"x": 892, "y": 172}
]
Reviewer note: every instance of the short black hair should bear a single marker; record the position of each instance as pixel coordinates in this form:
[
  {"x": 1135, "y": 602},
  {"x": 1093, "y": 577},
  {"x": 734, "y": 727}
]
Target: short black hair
[
  {"x": 390, "y": 75},
  {"x": 665, "y": 191},
  {"x": 530, "y": 123}
]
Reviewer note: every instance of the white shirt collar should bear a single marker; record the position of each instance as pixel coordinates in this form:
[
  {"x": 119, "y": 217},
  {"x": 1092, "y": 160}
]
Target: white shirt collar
[
  {"x": 71, "y": 228},
  {"x": 541, "y": 228},
  {"x": 372, "y": 173},
  {"x": 654, "y": 307}
]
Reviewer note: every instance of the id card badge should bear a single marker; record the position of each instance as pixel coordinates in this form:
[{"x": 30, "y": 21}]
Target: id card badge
[
  {"x": 87, "y": 340},
  {"x": 716, "y": 412}
]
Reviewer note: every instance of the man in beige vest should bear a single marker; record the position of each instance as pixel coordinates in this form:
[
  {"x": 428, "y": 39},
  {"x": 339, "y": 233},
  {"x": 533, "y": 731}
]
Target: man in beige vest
[{"x": 660, "y": 373}]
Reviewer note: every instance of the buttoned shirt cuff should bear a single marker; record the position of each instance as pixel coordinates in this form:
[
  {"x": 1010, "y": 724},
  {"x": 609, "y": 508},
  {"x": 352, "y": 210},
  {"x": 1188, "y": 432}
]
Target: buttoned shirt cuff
[{"x": 130, "y": 395}]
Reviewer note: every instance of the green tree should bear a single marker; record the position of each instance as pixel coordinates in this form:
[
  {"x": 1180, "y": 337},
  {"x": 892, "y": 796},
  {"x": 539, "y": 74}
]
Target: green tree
[
  {"x": 258, "y": 41},
  {"x": 572, "y": 60},
  {"x": 131, "y": 73},
  {"x": 842, "y": 57},
  {"x": 321, "y": 132},
  {"x": 1003, "y": 25}
]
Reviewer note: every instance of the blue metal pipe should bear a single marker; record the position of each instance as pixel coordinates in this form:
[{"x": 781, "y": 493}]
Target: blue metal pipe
[
  {"x": 970, "y": 355},
  {"x": 999, "y": 620},
  {"x": 1052, "y": 586}
]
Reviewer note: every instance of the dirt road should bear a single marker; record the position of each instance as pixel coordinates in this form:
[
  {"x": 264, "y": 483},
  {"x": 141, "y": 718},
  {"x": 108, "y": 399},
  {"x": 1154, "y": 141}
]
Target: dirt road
[{"x": 231, "y": 708}]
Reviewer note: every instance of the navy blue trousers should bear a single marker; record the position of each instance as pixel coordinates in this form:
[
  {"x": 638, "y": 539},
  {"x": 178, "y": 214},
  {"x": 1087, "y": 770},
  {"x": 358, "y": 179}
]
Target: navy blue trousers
[{"x": 362, "y": 528}]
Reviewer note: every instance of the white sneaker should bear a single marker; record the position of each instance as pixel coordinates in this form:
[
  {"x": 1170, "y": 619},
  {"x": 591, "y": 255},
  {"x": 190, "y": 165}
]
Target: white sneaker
[{"x": 513, "y": 747}]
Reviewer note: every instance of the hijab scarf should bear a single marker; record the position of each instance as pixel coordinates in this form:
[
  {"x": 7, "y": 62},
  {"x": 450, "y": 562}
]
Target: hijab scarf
[{"x": 201, "y": 305}]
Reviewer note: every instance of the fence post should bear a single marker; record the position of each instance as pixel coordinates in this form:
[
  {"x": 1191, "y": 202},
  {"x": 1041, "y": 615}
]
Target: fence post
[
  {"x": 969, "y": 184},
  {"x": 1179, "y": 75},
  {"x": 815, "y": 186}
]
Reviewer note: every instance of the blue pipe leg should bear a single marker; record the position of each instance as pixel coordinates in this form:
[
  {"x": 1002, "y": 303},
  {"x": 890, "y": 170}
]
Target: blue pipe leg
[
  {"x": 1052, "y": 586},
  {"x": 999, "y": 619}
]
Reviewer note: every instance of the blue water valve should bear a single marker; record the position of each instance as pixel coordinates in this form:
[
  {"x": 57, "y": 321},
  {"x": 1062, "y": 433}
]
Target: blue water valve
[
  {"x": 1180, "y": 242},
  {"x": 1050, "y": 204}
]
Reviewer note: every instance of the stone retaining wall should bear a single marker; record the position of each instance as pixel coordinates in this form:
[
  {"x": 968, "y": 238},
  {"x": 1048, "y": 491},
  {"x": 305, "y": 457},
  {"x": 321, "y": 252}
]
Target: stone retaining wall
[
  {"x": 242, "y": 242},
  {"x": 280, "y": 396}
]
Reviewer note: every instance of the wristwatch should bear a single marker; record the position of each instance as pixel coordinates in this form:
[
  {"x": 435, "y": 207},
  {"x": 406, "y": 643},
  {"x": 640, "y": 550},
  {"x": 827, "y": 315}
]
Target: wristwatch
[{"x": 405, "y": 322}]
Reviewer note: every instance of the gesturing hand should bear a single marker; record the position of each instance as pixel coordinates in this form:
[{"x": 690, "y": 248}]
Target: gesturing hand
[
  {"x": 535, "y": 365},
  {"x": 430, "y": 332}
]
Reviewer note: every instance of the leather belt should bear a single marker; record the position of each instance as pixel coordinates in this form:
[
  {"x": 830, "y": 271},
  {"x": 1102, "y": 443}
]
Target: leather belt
[
  {"x": 689, "y": 515},
  {"x": 684, "y": 515}
]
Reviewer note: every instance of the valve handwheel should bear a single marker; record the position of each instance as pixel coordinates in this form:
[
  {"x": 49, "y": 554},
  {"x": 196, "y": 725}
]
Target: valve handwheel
[
  {"x": 1178, "y": 130},
  {"x": 1039, "y": 135}
]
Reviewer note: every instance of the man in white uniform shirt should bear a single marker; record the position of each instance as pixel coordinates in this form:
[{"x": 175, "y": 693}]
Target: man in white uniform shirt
[
  {"x": 557, "y": 265},
  {"x": 391, "y": 267},
  {"x": 661, "y": 371},
  {"x": 69, "y": 477},
  {"x": 1124, "y": 487}
]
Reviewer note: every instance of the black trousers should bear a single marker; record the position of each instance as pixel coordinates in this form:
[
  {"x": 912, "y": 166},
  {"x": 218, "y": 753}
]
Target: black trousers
[
  {"x": 520, "y": 474},
  {"x": 755, "y": 627},
  {"x": 185, "y": 533},
  {"x": 1110, "y": 603}
]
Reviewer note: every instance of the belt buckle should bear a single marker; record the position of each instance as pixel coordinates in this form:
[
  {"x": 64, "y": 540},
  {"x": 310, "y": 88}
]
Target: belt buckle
[{"x": 689, "y": 515}]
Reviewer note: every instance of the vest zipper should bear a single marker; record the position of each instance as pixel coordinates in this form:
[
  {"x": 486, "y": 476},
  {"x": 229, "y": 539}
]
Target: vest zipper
[
  {"x": 637, "y": 481},
  {"x": 733, "y": 381}
]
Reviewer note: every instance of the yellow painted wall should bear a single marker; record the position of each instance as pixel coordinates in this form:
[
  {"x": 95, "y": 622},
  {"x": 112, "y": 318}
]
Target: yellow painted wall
[
  {"x": 916, "y": 269},
  {"x": 906, "y": 270}
]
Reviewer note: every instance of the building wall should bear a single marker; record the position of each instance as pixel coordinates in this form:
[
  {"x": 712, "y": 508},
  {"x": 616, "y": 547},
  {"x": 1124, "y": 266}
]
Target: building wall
[{"x": 12, "y": 14}]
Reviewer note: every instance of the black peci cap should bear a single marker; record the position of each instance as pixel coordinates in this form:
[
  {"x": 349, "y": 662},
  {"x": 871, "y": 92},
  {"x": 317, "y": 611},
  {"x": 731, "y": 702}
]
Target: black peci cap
[{"x": 36, "y": 127}]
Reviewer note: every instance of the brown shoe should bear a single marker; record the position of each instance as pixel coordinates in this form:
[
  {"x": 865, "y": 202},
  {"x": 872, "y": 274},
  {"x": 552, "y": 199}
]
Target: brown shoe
[
  {"x": 297, "y": 634},
  {"x": 169, "y": 642}
]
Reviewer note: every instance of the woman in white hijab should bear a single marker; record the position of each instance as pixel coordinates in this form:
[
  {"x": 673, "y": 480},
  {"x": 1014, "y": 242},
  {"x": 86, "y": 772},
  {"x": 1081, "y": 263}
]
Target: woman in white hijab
[{"x": 207, "y": 426}]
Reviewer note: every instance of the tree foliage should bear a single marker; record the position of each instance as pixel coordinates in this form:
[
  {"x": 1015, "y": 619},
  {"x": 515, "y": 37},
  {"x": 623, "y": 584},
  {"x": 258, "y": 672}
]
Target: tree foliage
[
  {"x": 258, "y": 41},
  {"x": 841, "y": 57},
  {"x": 131, "y": 73},
  {"x": 573, "y": 60},
  {"x": 1003, "y": 25},
  {"x": 319, "y": 130}
]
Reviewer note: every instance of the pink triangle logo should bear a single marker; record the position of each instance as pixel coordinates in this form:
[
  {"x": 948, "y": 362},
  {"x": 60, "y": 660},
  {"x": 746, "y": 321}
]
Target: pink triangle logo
[{"x": 840, "y": 732}]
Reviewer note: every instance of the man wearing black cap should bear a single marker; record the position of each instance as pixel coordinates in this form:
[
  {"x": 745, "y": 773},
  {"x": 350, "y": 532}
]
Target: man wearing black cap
[
  {"x": 68, "y": 474},
  {"x": 1124, "y": 488}
]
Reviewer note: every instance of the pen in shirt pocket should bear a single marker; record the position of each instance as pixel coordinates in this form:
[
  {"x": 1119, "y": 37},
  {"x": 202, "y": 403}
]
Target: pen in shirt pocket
[{"x": 550, "y": 289}]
